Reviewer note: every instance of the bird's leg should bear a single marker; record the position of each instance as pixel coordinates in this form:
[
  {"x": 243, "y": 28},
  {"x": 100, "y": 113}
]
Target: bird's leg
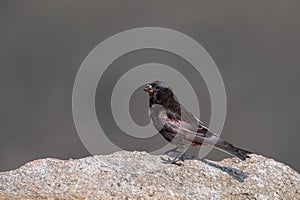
[
  {"x": 172, "y": 150},
  {"x": 179, "y": 156}
]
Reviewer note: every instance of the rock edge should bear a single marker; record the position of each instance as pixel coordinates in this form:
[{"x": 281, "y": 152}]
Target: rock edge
[{"x": 139, "y": 175}]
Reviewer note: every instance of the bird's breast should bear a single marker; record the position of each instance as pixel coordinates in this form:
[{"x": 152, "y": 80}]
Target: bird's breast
[{"x": 158, "y": 116}]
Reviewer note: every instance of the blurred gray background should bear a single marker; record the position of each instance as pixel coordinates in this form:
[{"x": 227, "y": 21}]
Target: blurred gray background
[{"x": 255, "y": 44}]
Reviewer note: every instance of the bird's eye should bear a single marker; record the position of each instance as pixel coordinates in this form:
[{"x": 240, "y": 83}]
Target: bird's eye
[{"x": 157, "y": 87}]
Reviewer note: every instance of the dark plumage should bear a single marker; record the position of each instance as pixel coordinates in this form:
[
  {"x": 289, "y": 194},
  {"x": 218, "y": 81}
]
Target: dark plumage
[{"x": 179, "y": 126}]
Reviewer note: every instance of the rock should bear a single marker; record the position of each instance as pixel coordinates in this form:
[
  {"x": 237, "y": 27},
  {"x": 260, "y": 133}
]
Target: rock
[{"x": 138, "y": 175}]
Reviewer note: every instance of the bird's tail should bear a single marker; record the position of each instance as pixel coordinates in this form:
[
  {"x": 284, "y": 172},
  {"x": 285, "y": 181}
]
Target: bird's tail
[{"x": 229, "y": 148}]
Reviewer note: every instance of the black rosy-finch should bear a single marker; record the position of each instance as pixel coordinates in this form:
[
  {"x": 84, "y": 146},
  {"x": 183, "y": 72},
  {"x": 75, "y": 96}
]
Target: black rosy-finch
[{"x": 180, "y": 127}]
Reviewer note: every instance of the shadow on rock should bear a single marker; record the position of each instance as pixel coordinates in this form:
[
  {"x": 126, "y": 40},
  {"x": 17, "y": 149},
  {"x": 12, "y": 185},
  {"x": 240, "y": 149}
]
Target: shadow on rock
[
  {"x": 233, "y": 172},
  {"x": 237, "y": 174}
]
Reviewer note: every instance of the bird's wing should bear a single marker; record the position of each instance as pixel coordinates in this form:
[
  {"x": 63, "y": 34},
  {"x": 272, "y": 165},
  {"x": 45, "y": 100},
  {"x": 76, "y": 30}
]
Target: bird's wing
[
  {"x": 189, "y": 127},
  {"x": 192, "y": 123}
]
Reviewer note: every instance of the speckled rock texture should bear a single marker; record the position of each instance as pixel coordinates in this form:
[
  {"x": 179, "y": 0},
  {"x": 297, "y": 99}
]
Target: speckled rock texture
[{"x": 138, "y": 175}]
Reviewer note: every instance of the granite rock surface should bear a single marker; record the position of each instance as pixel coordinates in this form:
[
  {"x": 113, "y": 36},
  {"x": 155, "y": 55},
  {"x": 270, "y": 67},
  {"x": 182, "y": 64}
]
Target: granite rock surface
[{"x": 139, "y": 175}]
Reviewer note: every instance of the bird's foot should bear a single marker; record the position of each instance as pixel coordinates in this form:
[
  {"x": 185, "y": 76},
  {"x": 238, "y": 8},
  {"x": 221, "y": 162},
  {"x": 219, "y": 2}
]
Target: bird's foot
[
  {"x": 171, "y": 161},
  {"x": 175, "y": 160}
]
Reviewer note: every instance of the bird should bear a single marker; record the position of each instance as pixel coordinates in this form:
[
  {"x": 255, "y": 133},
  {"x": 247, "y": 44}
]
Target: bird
[{"x": 179, "y": 126}]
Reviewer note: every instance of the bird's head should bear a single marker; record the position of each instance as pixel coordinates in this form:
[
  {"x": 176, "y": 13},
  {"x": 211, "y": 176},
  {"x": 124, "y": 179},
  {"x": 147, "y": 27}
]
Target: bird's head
[{"x": 159, "y": 92}]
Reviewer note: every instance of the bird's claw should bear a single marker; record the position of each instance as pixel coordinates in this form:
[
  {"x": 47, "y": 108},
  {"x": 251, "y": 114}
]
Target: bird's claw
[{"x": 172, "y": 161}]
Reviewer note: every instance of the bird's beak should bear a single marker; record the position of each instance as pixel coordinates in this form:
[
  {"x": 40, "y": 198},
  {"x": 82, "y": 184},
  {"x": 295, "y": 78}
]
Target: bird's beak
[{"x": 148, "y": 89}]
